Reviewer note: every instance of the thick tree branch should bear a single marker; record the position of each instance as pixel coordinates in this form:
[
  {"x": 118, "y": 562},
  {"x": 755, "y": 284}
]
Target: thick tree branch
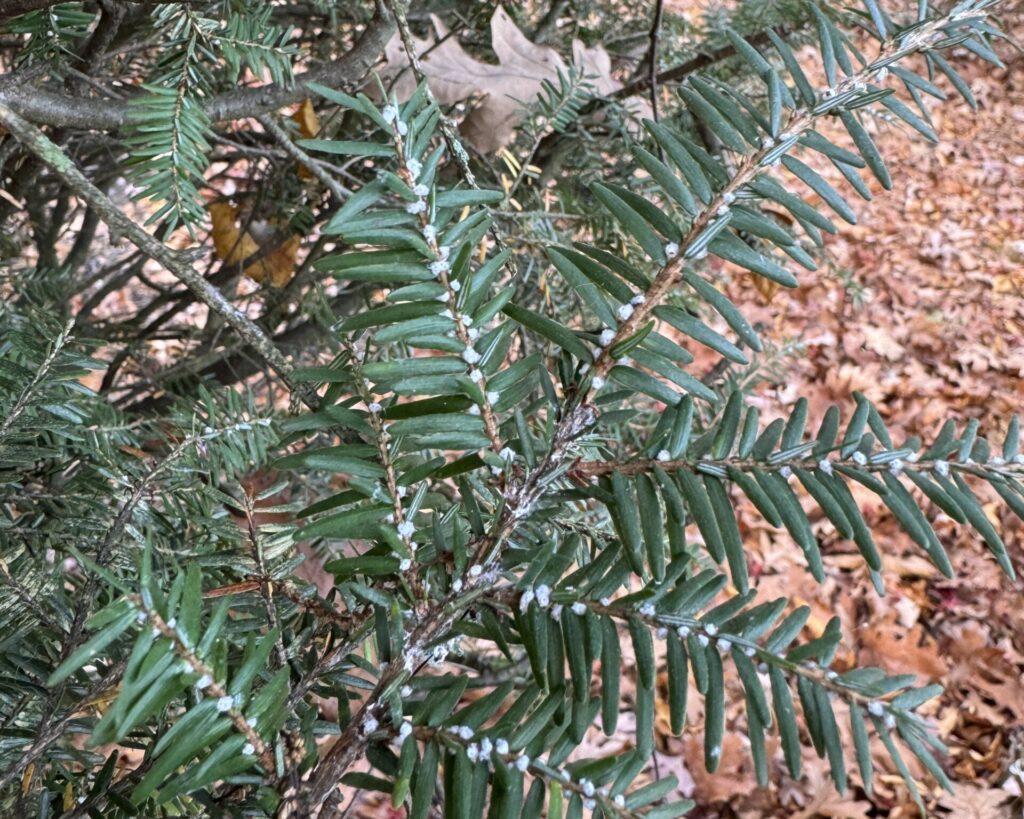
[
  {"x": 36, "y": 142},
  {"x": 12, "y": 8},
  {"x": 44, "y": 107}
]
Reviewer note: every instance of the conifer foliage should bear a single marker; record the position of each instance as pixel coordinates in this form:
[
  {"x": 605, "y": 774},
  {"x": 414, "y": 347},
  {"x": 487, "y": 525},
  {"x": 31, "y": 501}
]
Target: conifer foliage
[{"x": 505, "y": 494}]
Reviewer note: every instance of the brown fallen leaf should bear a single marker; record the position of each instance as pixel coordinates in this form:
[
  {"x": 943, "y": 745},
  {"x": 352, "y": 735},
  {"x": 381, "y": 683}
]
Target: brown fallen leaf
[
  {"x": 305, "y": 117},
  {"x": 824, "y": 800},
  {"x": 983, "y": 669},
  {"x": 880, "y": 340},
  {"x": 504, "y": 87},
  {"x": 766, "y": 287},
  {"x": 968, "y": 802},
  {"x": 734, "y": 777},
  {"x": 901, "y": 652},
  {"x": 909, "y": 566}
]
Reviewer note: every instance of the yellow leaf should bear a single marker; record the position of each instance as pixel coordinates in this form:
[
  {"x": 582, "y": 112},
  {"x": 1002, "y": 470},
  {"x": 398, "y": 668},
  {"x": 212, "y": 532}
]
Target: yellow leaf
[
  {"x": 308, "y": 122},
  {"x": 766, "y": 287},
  {"x": 26, "y": 778},
  {"x": 309, "y": 127},
  {"x": 233, "y": 247},
  {"x": 69, "y": 797},
  {"x": 101, "y": 701},
  {"x": 227, "y": 239},
  {"x": 280, "y": 264}
]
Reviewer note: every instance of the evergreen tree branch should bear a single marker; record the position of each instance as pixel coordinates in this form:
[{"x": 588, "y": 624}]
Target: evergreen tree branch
[
  {"x": 590, "y": 796},
  {"x": 210, "y": 687},
  {"x": 521, "y": 494},
  {"x": 13, "y": 8},
  {"x": 449, "y": 131},
  {"x": 51, "y": 731},
  {"x": 438, "y": 619},
  {"x": 529, "y": 545},
  {"x": 351, "y": 745},
  {"x": 25, "y": 397},
  {"x": 714, "y": 216},
  {"x": 465, "y": 334}
]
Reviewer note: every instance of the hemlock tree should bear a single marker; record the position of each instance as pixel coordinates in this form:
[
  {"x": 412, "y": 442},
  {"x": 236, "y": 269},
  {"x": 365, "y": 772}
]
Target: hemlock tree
[{"x": 497, "y": 478}]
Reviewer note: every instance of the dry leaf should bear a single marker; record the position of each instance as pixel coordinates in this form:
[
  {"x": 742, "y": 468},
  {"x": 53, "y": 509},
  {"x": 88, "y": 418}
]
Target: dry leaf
[
  {"x": 912, "y": 652},
  {"x": 766, "y": 287},
  {"x": 823, "y": 798},
  {"x": 309, "y": 126},
  {"x": 968, "y": 802},
  {"x": 983, "y": 669},
  {"x": 881, "y": 341},
  {"x": 307, "y": 120},
  {"x": 910, "y": 566},
  {"x": 596, "y": 65},
  {"x": 516, "y": 79},
  {"x": 734, "y": 776},
  {"x": 233, "y": 246},
  {"x": 228, "y": 241}
]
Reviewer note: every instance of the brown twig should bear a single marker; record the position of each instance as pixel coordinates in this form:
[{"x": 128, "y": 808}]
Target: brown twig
[
  {"x": 652, "y": 57},
  {"x": 692, "y": 65}
]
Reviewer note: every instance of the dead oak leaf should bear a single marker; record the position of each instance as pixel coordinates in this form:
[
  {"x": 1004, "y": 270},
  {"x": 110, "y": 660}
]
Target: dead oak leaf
[
  {"x": 968, "y": 802},
  {"x": 734, "y": 777},
  {"x": 900, "y": 652},
  {"x": 503, "y": 87},
  {"x": 881, "y": 341},
  {"x": 454, "y": 75},
  {"x": 826, "y": 801},
  {"x": 596, "y": 65},
  {"x": 983, "y": 670}
]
